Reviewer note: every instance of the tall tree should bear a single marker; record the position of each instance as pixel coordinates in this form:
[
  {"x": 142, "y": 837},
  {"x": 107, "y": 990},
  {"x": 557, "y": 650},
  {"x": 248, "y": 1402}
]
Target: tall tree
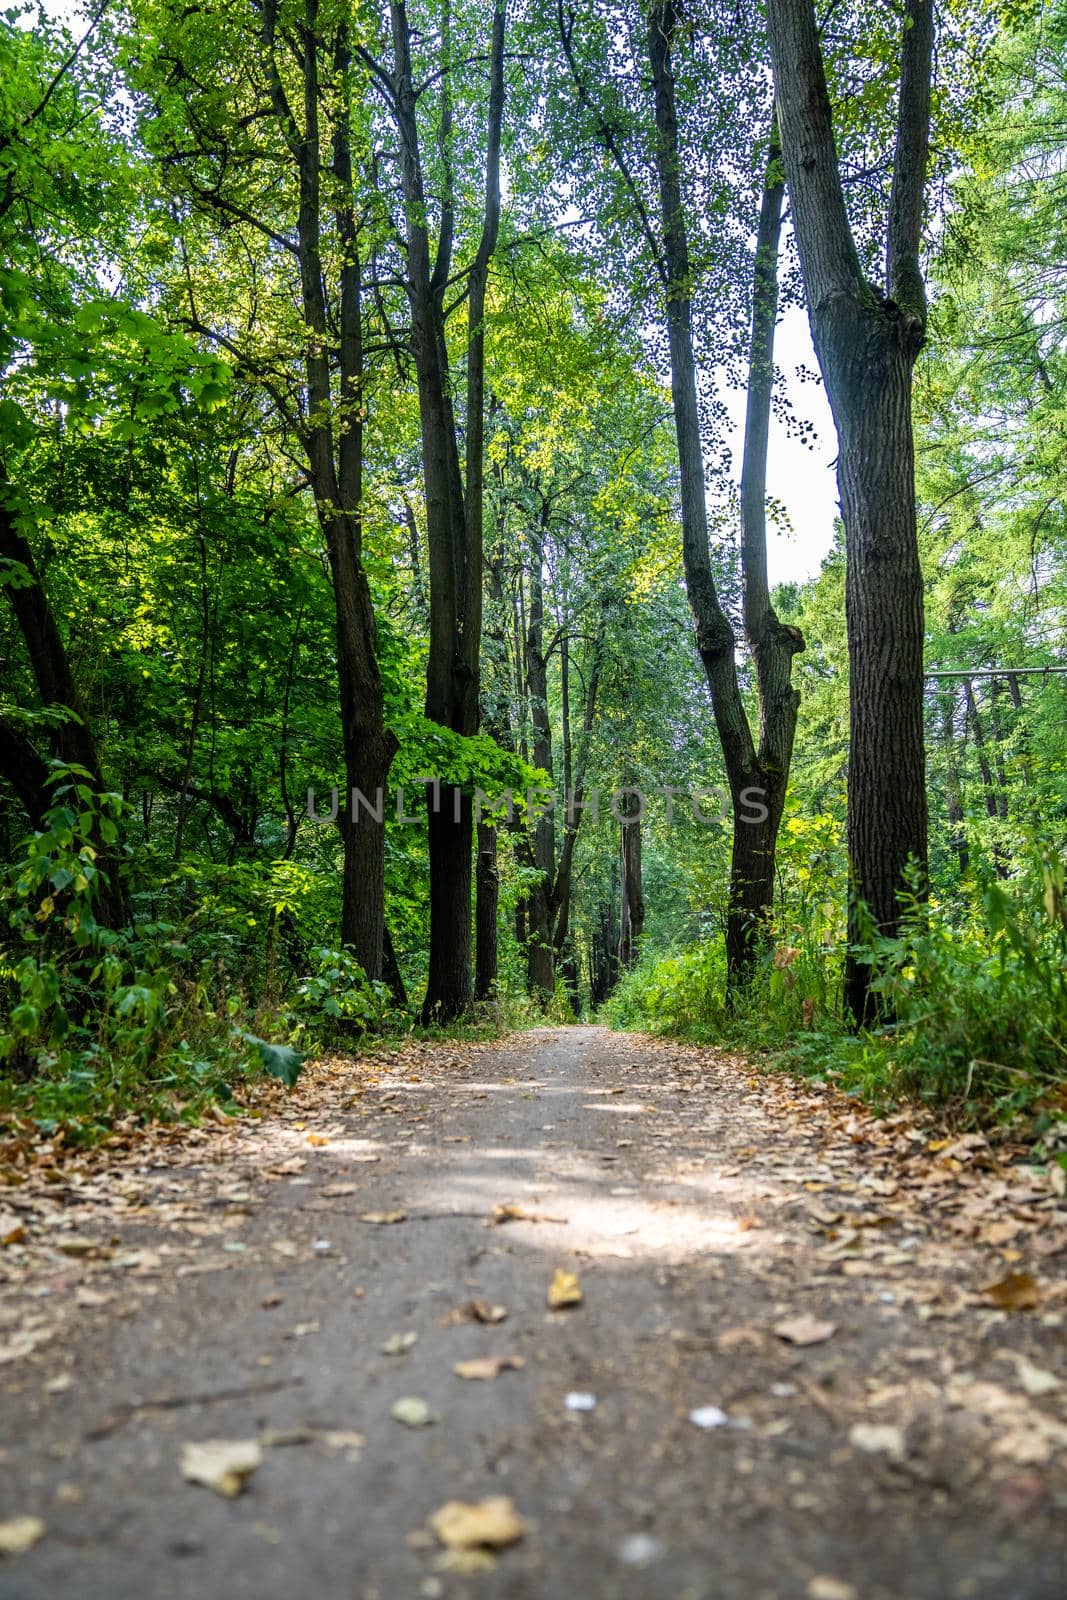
[
  {"x": 278, "y": 170},
  {"x": 454, "y": 510},
  {"x": 757, "y": 770},
  {"x": 867, "y": 340}
]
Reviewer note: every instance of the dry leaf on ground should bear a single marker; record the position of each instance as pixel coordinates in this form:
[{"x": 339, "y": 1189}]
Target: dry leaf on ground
[
  {"x": 517, "y": 1213},
  {"x": 224, "y": 1465},
  {"x": 1015, "y": 1292},
  {"x": 564, "y": 1290},
  {"x": 20, "y": 1534},
  {"x": 490, "y": 1524},
  {"x": 384, "y": 1217},
  {"x": 476, "y": 1311},
  {"x": 488, "y": 1367},
  {"x": 803, "y": 1330},
  {"x": 877, "y": 1438},
  {"x": 399, "y": 1344},
  {"x": 413, "y": 1412}
]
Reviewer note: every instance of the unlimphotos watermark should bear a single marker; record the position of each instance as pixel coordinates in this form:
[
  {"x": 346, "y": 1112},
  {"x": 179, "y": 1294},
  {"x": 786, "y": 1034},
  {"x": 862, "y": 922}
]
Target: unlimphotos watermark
[{"x": 626, "y": 806}]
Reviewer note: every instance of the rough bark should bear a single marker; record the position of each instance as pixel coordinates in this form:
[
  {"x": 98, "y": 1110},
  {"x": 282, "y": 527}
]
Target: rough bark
[
  {"x": 867, "y": 344},
  {"x": 761, "y": 766},
  {"x": 632, "y": 896},
  {"x": 539, "y": 946},
  {"x": 487, "y": 900},
  {"x": 453, "y": 517},
  {"x": 333, "y": 442}
]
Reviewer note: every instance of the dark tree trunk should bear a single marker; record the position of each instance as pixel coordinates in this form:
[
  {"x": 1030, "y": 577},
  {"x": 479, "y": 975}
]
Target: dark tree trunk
[
  {"x": 604, "y": 952},
  {"x": 763, "y": 767},
  {"x": 953, "y": 793},
  {"x": 391, "y": 975},
  {"x": 632, "y": 896},
  {"x": 486, "y": 903},
  {"x": 539, "y": 947},
  {"x": 453, "y": 518},
  {"x": 867, "y": 344},
  {"x": 989, "y": 788},
  {"x": 333, "y": 441}
]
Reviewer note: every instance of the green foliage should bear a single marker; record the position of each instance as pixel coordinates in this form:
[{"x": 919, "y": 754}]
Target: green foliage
[
  {"x": 98, "y": 1021},
  {"x": 978, "y": 989},
  {"x": 336, "y": 1000}
]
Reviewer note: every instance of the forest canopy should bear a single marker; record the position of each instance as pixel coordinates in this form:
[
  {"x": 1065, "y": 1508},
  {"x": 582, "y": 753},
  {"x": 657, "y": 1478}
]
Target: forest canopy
[{"x": 395, "y": 631}]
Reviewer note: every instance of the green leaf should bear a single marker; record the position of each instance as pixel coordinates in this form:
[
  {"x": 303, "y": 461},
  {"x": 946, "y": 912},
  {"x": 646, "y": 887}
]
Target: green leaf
[{"x": 278, "y": 1060}]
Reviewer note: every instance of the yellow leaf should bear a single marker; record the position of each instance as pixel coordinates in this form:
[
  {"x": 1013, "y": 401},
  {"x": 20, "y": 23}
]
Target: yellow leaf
[
  {"x": 20, "y": 1534},
  {"x": 221, "y": 1464},
  {"x": 486, "y": 1368},
  {"x": 489, "y": 1524},
  {"x": 564, "y": 1290}
]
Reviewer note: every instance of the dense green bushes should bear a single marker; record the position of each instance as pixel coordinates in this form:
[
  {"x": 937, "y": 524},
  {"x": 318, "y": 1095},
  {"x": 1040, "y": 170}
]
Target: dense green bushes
[{"x": 977, "y": 987}]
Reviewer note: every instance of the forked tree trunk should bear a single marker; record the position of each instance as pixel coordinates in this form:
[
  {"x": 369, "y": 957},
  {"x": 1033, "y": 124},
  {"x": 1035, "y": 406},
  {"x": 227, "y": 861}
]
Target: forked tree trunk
[
  {"x": 867, "y": 344},
  {"x": 453, "y": 515},
  {"x": 333, "y": 441},
  {"x": 757, "y": 771}
]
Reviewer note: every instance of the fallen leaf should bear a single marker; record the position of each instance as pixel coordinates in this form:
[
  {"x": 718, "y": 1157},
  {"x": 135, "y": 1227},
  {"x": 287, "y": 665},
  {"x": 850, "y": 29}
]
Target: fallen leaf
[
  {"x": 413, "y": 1412},
  {"x": 1017, "y": 1291},
  {"x": 384, "y": 1217},
  {"x": 517, "y": 1213},
  {"x": 804, "y": 1330},
  {"x": 491, "y": 1524},
  {"x": 877, "y": 1438},
  {"x": 221, "y": 1464},
  {"x": 20, "y": 1534},
  {"x": 12, "y": 1231},
  {"x": 343, "y": 1439},
  {"x": 488, "y": 1367},
  {"x": 476, "y": 1311},
  {"x": 564, "y": 1290},
  {"x": 399, "y": 1344},
  {"x": 73, "y": 1245},
  {"x": 337, "y": 1191},
  {"x": 827, "y": 1588}
]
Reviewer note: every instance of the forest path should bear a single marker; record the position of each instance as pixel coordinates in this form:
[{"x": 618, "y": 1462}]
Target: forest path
[{"x": 915, "y": 1447}]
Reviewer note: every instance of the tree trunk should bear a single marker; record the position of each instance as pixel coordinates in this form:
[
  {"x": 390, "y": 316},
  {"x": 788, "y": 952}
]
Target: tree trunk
[
  {"x": 867, "y": 345},
  {"x": 953, "y": 794},
  {"x": 333, "y": 441},
  {"x": 989, "y": 790},
  {"x": 763, "y": 768},
  {"x": 539, "y": 947},
  {"x": 632, "y": 891},
  {"x": 453, "y": 520},
  {"x": 487, "y": 883}
]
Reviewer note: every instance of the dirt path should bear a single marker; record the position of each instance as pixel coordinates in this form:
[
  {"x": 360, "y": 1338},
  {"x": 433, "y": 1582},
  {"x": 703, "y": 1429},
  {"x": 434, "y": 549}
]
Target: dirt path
[{"x": 917, "y": 1447}]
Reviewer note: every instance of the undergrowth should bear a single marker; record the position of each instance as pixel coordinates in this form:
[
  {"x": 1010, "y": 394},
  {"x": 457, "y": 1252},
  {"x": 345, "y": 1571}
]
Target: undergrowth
[
  {"x": 977, "y": 989},
  {"x": 183, "y": 1007}
]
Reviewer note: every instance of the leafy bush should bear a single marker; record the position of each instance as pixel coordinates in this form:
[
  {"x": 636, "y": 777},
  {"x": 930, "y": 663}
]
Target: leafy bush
[
  {"x": 101, "y": 1021},
  {"x": 338, "y": 999},
  {"x": 977, "y": 989}
]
